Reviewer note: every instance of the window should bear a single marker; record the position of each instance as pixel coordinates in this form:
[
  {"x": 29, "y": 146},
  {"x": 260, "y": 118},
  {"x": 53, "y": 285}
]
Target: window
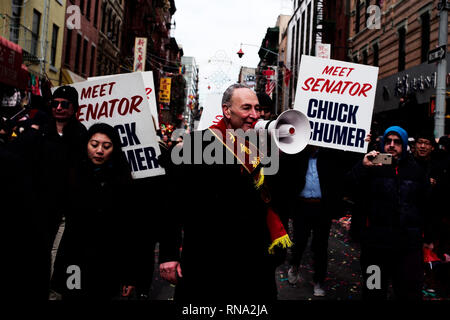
[
  {"x": 83, "y": 66},
  {"x": 297, "y": 47},
  {"x": 117, "y": 33},
  {"x": 82, "y": 6},
  {"x": 15, "y": 21},
  {"x": 54, "y": 43},
  {"x": 375, "y": 54},
  {"x": 99, "y": 65},
  {"x": 302, "y": 34},
  {"x": 68, "y": 47},
  {"x": 365, "y": 59},
  {"x": 88, "y": 10},
  {"x": 401, "y": 48},
  {"x": 293, "y": 46},
  {"x": 357, "y": 13},
  {"x": 298, "y": 51},
  {"x": 96, "y": 14},
  {"x": 91, "y": 69},
  {"x": 109, "y": 20},
  {"x": 367, "y": 15},
  {"x": 113, "y": 30},
  {"x": 425, "y": 19},
  {"x": 103, "y": 17},
  {"x": 308, "y": 28},
  {"x": 35, "y": 31},
  {"x": 77, "y": 54},
  {"x": 292, "y": 62}
]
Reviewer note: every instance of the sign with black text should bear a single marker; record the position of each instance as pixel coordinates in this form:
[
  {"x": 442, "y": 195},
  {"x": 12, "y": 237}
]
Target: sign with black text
[
  {"x": 121, "y": 101},
  {"x": 338, "y": 98}
]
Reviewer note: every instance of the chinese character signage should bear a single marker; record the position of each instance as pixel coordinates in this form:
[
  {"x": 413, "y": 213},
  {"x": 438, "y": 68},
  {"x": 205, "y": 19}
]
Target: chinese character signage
[
  {"x": 323, "y": 50},
  {"x": 270, "y": 75},
  {"x": 164, "y": 90},
  {"x": 140, "y": 54}
]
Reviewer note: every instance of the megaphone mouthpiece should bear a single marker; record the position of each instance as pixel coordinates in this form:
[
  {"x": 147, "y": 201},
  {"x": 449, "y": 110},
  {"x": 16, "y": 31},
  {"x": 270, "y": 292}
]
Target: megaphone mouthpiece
[{"x": 285, "y": 130}]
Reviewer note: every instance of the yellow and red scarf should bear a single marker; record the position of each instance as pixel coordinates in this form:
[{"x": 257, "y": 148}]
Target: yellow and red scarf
[{"x": 248, "y": 156}]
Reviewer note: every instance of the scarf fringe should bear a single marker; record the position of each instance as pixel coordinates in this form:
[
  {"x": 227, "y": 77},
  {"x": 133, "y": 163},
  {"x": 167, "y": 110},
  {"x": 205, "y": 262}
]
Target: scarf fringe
[
  {"x": 283, "y": 241},
  {"x": 260, "y": 181}
]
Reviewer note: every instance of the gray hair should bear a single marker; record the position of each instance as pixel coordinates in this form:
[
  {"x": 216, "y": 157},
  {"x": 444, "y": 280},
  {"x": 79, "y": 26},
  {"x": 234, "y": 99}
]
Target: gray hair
[{"x": 228, "y": 94}]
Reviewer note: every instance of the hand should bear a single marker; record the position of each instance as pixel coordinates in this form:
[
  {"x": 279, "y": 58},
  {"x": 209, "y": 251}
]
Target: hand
[
  {"x": 367, "y": 161},
  {"x": 127, "y": 290},
  {"x": 170, "y": 270},
  {"x": 368, "y": 137}
]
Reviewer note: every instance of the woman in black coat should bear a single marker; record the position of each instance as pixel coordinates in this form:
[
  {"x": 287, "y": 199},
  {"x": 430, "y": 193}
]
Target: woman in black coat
[{"x": 94, "y": 257}]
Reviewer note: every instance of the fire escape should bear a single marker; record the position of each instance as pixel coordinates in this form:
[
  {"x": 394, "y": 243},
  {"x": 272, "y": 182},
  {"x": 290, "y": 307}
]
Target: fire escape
[{"x": 319, "y": 26}]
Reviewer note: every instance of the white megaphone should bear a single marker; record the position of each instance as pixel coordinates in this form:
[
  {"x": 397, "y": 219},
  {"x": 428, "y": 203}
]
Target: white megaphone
[{"x": 291, "y": 130}]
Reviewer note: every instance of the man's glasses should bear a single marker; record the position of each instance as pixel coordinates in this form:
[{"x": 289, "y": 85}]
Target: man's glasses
[
  {"x": 396, "y": 141},
  {"x": 64, "y": 104},
  {"x": 423, "y": 142}
]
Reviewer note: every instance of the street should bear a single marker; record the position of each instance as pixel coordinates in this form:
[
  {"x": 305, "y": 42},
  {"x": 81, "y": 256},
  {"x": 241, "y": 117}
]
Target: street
[{"x": 343, "y": 281}]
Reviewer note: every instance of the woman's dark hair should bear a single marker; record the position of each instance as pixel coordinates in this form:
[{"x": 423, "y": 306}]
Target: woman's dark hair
[{"x": 118, "y": 160}]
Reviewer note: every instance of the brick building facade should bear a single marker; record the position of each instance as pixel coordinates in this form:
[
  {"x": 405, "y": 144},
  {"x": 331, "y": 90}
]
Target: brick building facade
[
  {"x": 80, "y": 47},
  {"x": 399, "y": 46}
]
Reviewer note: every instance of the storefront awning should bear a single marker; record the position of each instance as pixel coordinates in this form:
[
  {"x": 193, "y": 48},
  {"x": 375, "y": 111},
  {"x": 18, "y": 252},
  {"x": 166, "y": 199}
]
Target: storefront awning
[
  {"x": 11, "y": 64},
  {"x": 69, "y": 77}
]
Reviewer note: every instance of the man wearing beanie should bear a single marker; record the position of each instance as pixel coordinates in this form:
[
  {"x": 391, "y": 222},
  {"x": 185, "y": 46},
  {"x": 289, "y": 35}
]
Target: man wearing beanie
[
  {"x": 395, "y": 196},
  {"x": 49, "y": 151}
]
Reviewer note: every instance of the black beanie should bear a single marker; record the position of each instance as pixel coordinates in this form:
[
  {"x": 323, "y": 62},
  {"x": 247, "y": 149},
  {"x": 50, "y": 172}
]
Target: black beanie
[{"x": 69, "y": 93}]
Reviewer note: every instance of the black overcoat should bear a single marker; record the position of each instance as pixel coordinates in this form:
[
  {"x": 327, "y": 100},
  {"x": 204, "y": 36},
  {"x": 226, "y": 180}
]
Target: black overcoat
[{"x": 224, "y": 254}]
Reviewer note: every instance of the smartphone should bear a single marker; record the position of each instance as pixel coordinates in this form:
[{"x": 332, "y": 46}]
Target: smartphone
[{"x": 383, "y": 158}]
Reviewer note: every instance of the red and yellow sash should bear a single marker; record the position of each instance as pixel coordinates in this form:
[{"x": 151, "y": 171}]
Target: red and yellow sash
[{"x": 249, "y": 157}]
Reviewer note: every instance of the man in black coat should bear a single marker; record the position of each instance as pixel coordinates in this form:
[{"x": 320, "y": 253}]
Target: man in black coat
[
  {"x": 395, "y": 200},
  {"x": 49, "y": 149},
  {"x": 224, "y": 254},
  {"x": 313, "y": 187}
]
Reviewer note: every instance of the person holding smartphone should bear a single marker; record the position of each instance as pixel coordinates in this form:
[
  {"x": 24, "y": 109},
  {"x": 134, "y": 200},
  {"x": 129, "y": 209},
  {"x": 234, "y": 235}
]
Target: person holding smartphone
[{"x": 395, "y": 199}]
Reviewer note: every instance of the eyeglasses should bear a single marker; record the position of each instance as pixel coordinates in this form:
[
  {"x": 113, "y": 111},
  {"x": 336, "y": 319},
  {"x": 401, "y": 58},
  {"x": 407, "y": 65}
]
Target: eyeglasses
[
  {"x": 424, "y": 142},
  {"x": 397, "y": 142},
  {"x": 64, "y": 104}
]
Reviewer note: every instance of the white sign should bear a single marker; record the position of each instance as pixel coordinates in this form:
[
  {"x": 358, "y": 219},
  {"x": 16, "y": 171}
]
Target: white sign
[
  {"x": 120, "y": 101},
  {"x": 149, "y": 86},
  {"x": 140, "y": 54},
  {"x": 323, "y": 50},
  {"x": 338, "y": 98},
  {"x": 212, "y": 111},
  {"x": 150, "y": 93}
]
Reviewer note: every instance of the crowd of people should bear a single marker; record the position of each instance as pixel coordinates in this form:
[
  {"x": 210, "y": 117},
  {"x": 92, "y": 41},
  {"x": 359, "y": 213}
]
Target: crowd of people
[{"x": 54, "y": 170}]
